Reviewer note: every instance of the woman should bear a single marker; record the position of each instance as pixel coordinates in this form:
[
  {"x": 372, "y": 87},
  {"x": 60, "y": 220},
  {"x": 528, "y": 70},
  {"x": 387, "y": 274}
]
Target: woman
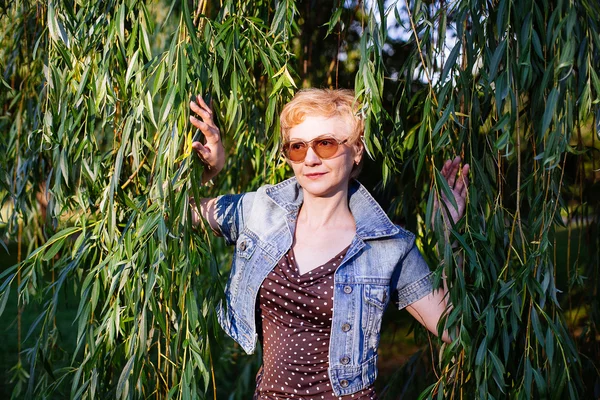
[{"x": 317, "y": 260}]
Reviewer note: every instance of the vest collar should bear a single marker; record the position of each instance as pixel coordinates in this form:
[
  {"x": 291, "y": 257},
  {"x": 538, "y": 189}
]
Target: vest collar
[{"x": 371, "y": 221}]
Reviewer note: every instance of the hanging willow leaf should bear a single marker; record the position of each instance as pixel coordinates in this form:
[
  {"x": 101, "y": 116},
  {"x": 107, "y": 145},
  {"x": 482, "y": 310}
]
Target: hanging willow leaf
[
  {"x": 124, "y": 377},
  {"x": 550, "y": 110},
  {"x": 451, "y": 61},
  {"x": 95, "y": 119}
]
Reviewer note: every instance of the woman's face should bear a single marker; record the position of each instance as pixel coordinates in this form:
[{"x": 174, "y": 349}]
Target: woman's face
[{"x": 325, "y": 177}]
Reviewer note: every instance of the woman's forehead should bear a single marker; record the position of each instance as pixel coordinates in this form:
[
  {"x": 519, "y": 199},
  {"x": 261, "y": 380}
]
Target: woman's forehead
[{"x": 313, "y": 127}]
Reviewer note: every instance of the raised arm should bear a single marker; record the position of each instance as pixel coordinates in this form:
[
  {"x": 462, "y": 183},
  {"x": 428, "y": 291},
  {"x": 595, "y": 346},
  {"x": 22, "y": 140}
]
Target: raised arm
[
  {"x": 429, "y": 309},
  {"x": 212, "y": 155}
]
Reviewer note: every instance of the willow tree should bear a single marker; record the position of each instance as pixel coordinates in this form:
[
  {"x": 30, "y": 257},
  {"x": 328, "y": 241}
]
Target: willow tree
[{"x": 97, "y": 172}]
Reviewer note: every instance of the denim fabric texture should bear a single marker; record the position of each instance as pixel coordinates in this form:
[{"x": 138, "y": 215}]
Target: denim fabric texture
[{"x": 382, "y": 261}]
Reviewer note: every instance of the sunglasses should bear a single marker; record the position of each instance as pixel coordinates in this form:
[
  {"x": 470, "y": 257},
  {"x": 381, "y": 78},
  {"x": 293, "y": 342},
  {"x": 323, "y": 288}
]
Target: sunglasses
[{"x": 324, "y": 146}]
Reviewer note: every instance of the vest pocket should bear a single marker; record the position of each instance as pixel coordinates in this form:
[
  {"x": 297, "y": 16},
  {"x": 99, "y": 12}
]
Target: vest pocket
[
  {"x": 376, "y": 295},
  {"x": 245, "y": 245},
  {"x": 375, "y": 298}
]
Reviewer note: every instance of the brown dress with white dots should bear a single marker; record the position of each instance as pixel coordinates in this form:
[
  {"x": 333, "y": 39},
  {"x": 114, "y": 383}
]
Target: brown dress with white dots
[{"x": 296, "y": 313}]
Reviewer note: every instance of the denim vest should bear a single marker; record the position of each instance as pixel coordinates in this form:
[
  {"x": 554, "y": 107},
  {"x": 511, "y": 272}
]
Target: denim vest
[{"x": 382, "y": 260}]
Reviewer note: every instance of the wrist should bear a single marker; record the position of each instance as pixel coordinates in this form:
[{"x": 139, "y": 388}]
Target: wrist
[{"x": 208, "y": 175}]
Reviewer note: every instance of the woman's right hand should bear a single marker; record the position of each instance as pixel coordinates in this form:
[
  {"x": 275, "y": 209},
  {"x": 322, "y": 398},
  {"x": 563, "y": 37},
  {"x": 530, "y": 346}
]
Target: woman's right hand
[{"x": 212, "y": 153}]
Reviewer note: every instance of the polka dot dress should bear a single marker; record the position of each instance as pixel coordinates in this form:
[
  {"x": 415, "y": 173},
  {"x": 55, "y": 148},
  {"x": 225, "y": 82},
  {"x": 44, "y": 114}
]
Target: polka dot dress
[{"x": 296, "y": 313}]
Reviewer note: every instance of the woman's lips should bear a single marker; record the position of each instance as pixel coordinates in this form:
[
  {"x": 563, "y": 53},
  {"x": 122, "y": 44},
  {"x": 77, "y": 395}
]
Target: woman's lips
[{"x": 315, "y": 175}]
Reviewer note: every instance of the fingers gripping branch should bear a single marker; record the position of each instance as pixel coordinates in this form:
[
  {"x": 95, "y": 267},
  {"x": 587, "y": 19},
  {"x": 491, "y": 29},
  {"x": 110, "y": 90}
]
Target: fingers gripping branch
[
  {"x": 211, "y": 152},
  {"x": 459, "y": 185}
]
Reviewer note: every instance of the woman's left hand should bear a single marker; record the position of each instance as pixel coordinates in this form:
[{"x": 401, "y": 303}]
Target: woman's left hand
[{"x": 459, "y": 186}]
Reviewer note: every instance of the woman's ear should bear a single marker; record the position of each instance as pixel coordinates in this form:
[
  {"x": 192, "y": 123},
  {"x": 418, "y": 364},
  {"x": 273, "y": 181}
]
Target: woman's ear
[{"x": 359, "y": 148}]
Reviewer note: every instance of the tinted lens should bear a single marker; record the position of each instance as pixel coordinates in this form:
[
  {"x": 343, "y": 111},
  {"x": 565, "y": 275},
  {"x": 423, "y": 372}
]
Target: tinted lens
[
  {"x": 325, "y": 148},
  {"x": 295, "y": 151}
]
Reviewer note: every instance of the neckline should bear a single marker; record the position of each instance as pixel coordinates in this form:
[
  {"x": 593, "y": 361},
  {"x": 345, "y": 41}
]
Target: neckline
[{"x": 311, "y": 273}]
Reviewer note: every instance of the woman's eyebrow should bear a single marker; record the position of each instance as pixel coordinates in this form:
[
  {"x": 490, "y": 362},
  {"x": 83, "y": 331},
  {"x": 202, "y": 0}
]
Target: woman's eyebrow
[{"x": 323, "y": 136}]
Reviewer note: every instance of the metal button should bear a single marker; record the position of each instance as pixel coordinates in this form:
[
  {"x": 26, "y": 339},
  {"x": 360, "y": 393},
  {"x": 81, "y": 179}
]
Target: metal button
[
  {"x": 344, "y": 383},
  {"x": 347, "y": 289},
  {"x": 346, "y": 327},
  {"x": 243, "y": 246},
  {"x": 345, "y": 360}
]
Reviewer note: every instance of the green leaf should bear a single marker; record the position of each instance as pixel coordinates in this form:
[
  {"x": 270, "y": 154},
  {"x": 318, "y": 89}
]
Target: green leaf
[
  {"x": 537, "y": 46},
  {"x": 501, "y": 14},
  {"x": 595, "y": 82},
  {"x": 121, "y": 19},
  {"x": 4, "y": 295},
  {"x": 429, "y": 209},
  {"x": 443, "y": 183},
  {"x": 451, "y": 61},
  {"x": 52, "y": 22},
  {"x": 54, "y": 249},
  {"x": 502, "y": 141},
  {"x": 528, "y": 376},
  {"x": 124, "y": 377},
  {"x": 501, "y": 123},
  {"x": 150, "y": 108},
  {"x": 187, "y": 18},
  {"x": 490, "y": 324},
  {"x": 158, "y": 78},
  {"x": 167, "y": 105},
  {"x": 131, "y": 67},
  {"x": 182, "y": 70},
  {"x": 278, "y": 18},
  {"x": 463, "y": 244},
  {"x": 549, "y": 344},
  {"x": 83, "y": 81},
  {"x": 145, "y": 42},
  {"x": 449, "y": 109},
  {"x": 537, "y": 328},
  {"x": 550, "y": 110},
  {"x": 481, "y": 352},
  {"x": 497, "y": 58},
  {"x": 334, "y": 20},
  {"x": 497, "y": 364}
]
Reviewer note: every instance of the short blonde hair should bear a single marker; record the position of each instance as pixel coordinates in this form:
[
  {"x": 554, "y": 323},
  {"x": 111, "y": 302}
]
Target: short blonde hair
[{"x": 323, "y": 103}]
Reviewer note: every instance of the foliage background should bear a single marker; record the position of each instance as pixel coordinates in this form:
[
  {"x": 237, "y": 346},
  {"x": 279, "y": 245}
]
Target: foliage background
[{"x": 112, "y": 293}]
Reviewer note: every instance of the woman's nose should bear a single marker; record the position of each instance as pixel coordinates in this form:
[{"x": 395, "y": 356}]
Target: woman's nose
[{"x": 311, "y": 157}]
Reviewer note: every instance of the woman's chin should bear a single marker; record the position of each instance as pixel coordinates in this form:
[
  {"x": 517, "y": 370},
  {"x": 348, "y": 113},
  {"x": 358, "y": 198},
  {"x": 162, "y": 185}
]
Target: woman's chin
[{"x": 322, "y": 188}]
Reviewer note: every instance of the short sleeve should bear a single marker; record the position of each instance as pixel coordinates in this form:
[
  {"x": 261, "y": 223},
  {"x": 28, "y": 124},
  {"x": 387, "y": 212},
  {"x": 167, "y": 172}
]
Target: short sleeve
[
  {"x": 231, "y": 213},
  {"x": 415, "y": 280}
]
